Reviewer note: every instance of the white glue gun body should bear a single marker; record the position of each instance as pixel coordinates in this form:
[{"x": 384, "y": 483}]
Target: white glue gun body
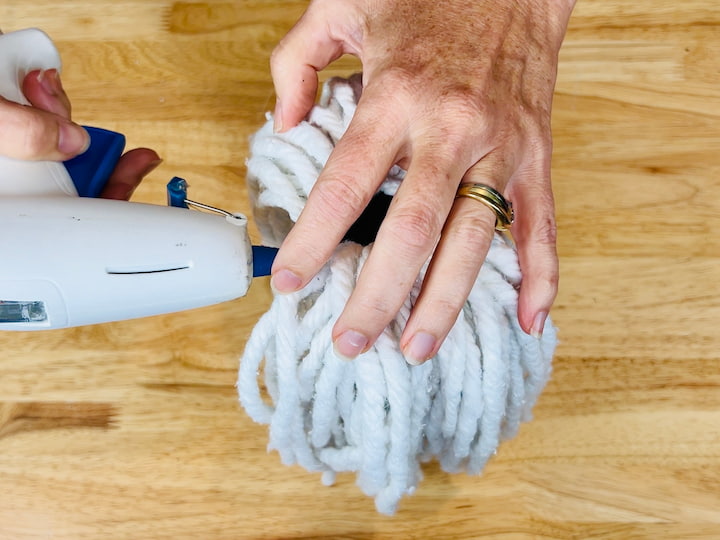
[{"x": 72, "y": 260}]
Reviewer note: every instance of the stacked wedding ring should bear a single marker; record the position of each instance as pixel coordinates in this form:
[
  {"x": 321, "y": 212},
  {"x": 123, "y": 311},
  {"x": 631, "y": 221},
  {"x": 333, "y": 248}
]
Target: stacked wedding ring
[{"x": 493, "y": 199}]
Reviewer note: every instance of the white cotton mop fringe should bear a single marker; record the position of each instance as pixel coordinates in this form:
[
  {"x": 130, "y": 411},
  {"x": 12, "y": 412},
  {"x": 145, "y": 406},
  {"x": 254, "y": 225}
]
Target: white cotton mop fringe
[{"x": 377, "y": 416}]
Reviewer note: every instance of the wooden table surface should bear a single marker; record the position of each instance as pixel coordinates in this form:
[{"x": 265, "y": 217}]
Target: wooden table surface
[{"x": 133, "y": 429}]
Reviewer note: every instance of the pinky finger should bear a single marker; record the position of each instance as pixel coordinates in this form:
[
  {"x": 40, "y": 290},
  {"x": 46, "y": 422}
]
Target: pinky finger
[{"x": 535, "y": 233}]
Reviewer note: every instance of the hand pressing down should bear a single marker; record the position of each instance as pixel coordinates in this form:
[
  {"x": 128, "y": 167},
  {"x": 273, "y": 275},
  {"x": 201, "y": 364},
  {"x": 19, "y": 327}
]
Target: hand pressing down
[{"x": 455, "y": 92}]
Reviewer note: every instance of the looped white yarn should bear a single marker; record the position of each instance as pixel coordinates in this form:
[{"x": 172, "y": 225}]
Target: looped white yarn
[{"x": 376, "y": 415}]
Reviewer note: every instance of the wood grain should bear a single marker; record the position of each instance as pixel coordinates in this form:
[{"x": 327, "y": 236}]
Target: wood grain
[{"x": 133, "y": 430}]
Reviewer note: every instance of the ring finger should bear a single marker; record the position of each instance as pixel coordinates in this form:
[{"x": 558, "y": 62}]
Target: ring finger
[{"x": 455, "y": 264}]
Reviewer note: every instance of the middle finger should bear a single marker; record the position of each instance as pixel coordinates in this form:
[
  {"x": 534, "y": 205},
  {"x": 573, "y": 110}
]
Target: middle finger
[{"x": 404, "y": 242}]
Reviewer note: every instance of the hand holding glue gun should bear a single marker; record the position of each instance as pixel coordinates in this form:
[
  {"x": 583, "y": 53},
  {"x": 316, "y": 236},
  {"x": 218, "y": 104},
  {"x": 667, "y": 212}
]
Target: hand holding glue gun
[
  {"x": 35, "y": 113},
  {"x": 72, "y": 259}
]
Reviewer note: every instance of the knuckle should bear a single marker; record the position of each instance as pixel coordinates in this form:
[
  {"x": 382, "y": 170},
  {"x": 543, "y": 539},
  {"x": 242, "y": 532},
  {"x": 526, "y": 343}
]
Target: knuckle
[
  {"x": 418, "y": 228},
  {"x": 371, "y": 313},
  {"x": 550, "y": 279},
  {"x": 400, "y": 79},
  {"x": 445, "y": 310},
  {"x": 434, "y": 167},
  {"x": 274, "y": 58},
  {"x": 35, "y": 136},
  {"x": 545, "y": 231},
  {"x": 277, "y": 58},
  {"x": 464, "y": 123},
  {"x": 302, "y": 252},
  {"x": 282, "y": 54},
  {"x": 475, "y": 229},
  {"x": 464, "y": 107},
  {"x": 439, "y": 311},
  {"x": 553, "y": 280},
  {"x": 539, "y": 139},
  {"x": 339, "y": 196},
  {"x": 377, "y": 309},
  {"x": 455, "y": 147},
  {"x": 470, "y": 99},
  {"x": 541, "y": 259}
]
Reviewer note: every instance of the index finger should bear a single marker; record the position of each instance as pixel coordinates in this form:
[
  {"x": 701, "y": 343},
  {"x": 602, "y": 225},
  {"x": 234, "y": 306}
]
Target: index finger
[
  {"x": 44, "y": 90},
  {"x": 356, "y": 168}
]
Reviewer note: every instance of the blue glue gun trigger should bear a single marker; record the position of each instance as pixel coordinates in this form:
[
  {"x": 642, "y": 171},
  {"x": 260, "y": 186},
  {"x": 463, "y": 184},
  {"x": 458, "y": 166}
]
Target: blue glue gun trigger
[{"x": 91, "y": 170}]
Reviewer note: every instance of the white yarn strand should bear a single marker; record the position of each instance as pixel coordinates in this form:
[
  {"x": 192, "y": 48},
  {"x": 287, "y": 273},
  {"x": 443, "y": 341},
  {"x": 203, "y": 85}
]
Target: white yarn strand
[{"x": 376, "y": 415}]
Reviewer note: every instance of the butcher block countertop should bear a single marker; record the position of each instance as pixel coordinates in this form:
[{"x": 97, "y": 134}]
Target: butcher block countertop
[{"x": 133, "y": 430}]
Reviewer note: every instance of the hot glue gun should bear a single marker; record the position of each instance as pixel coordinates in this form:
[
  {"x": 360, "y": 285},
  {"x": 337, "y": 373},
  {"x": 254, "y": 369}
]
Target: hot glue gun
[{"x": 70, "y": 259}]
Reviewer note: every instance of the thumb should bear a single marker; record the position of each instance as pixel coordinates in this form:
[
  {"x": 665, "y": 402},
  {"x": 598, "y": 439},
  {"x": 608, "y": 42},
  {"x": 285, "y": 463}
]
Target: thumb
[
  {"x": 32, "y": 134},
  {"x": 308, "y": 48}
]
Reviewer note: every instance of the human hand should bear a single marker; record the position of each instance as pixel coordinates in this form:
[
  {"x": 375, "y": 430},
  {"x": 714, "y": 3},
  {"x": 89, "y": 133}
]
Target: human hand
[
  {"x": 45, "y": 132},
  {"x": 454, "y": 92}
]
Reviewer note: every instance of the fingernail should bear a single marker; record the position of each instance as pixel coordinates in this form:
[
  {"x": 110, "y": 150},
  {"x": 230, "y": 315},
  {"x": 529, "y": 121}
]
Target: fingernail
[
  {"x": 277, "y": 118},
  {"x": 350, "y": 344},
  {"x": 72, "y": 139},
  {"x": 50, "y": 81},
  {"x": 285, "y": 281},
  {"x": 538, "y": 325},
  {"x": 419, "y": 349}
]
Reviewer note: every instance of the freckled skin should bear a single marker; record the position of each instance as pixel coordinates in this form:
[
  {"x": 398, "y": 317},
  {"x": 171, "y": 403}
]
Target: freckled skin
[
  {"x": 501, "y": 61},
  {"x": 453, "y": 91}
]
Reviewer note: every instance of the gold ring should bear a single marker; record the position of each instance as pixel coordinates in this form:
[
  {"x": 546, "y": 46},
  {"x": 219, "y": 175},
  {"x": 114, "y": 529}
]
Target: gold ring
[{"x": 493, "y": 199}]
